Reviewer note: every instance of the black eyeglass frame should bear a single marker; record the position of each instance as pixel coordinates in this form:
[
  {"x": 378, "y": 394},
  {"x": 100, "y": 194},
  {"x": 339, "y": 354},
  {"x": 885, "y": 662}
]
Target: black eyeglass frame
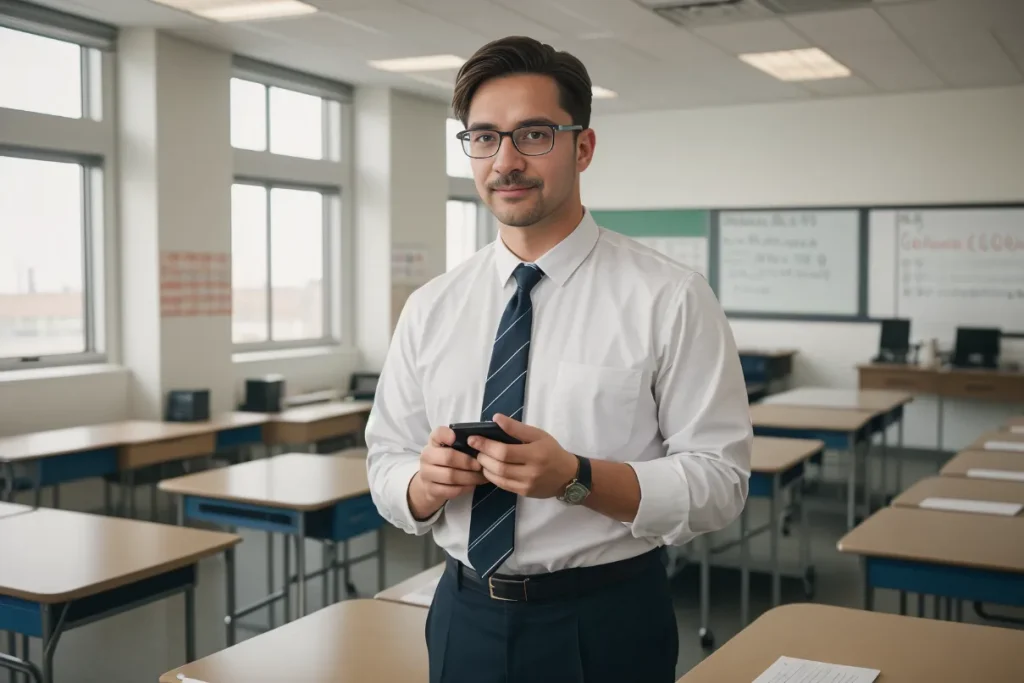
[{"x": 502, "y": 134}]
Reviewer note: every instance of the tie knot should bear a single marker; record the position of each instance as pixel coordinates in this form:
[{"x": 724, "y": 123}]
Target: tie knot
[{"x": 527, "y": 276}]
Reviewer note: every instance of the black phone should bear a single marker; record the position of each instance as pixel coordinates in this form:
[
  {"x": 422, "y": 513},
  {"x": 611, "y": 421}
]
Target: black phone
[{"x": 488, "y": 430}]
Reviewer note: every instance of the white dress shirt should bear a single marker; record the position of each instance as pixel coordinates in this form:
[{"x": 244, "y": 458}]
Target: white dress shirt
[{"x": 631, "y": 360}]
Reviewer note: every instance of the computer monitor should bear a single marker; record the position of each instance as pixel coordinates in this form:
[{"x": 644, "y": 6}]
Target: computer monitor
[
  {"x": 894, "y": 340},
  {"x": 977, "y": 347}
]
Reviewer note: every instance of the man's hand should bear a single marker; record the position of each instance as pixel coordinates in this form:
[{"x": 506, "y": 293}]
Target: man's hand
[
  {"x": 538, "y": 468},
  {"x": 445, "y": 473}
]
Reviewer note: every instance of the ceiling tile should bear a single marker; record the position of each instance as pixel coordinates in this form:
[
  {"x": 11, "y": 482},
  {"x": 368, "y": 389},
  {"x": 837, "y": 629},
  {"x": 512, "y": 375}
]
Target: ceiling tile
[
  {"x": 856, "y": 26},
  {"x": 768, "y": 35},
  {"x": 489, "y": 20},
  {"x": 967, "y": 59},
  {"x": 427, "y": 32},
  {"x": 620, "y": 17},
  {"x": 840, "y": 87}
]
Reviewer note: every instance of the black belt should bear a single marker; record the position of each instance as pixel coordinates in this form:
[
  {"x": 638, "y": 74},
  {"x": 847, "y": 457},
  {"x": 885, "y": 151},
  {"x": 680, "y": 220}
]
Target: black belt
[{"x": 555, "y": 585}]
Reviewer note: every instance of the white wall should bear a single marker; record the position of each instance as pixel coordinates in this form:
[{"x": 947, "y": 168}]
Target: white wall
[{"x": 951, "y": 147}]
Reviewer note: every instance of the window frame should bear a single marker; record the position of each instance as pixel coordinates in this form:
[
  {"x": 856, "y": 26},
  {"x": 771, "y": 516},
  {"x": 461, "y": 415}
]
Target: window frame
[
  {"x": 90, "y": 142},
  {"x": 330, "y": 175}
]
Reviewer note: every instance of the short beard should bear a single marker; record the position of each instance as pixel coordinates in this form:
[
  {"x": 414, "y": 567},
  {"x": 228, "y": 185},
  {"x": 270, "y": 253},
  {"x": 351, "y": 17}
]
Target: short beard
[{"x": 511, "y": 217}]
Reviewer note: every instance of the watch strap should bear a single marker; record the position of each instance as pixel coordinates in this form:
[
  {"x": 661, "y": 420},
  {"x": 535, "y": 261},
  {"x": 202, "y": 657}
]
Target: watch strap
[{"x": 583, "y": 474}]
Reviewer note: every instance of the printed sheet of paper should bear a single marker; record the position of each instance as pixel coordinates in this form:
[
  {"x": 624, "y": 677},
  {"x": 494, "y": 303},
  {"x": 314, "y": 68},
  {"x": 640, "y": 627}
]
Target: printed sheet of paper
[
  {"x": 1006, "y": 475},
  {"x": 1004, "y": 446},
  {"x": 423, "y": 595},
  {"x": 980, "y": 506},
  {"x": 792, "y": 670}
]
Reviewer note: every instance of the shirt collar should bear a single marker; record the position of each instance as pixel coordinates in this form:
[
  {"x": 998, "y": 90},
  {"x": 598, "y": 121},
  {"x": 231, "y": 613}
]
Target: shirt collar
[{"x": 561, "y": 261}]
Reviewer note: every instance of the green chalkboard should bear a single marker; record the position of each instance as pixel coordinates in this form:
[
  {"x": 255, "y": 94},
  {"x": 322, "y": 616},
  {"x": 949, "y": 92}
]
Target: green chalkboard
[{"x": 656, "y": 222}]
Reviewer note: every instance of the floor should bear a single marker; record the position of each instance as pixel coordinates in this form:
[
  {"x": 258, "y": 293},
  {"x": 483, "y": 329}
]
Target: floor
[{"x": 140, "y": 645}]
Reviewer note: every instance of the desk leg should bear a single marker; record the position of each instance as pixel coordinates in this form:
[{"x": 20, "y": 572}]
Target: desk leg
[
  {"x": 349, "y": 588},
  {"x": 271, "y": 608},
  {"x": 774, "y": 531},
  {"x": 903, "y": 603},
  {"x": 899, "y": 458},
  {"x": 325, "y": 563},
  {"x": 851, "y": 486},
  {"x": 744, "y": 567},
  {"x": 190, "y": 624},
  {"x": 229, "y": 578},
  {"x": 56, "y": 496},
  {"x": 884, "y": 485},
  {"x": 867, "y": 477},
  {"x": 300, "y": 566},
  {"x": 287, "y": 578},
  {"x": 381, "y": 559},
  {"x": 7, "y": 493},
  {"x": 869, "y": 591},
  {"x": 805, "y": 535},
  {"x": 920, "y": 605},
  {"x": 336, "y": 574},
  {"x": 26, "y": 654}
]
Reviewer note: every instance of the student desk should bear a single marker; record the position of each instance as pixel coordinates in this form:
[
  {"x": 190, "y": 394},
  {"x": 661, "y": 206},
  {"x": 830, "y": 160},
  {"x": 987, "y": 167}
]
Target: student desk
[
  {"x": 1002, "y": 386},
  {"x": 903, "y": 649},
  {"x": 1014, "y": 424},
  {"x": 400, "y": 591},
  {"x": 68, "y": 569},
  {"x": 318, "y": 422},
  {"x": 999, "y": 461},
  {"x": 777, "y": 465},
  {"x": 889, "y": 404},
  {"x": 64, "y": 455},
  {"x": 300, "y": 495},
  {"x": 355, "y": 641},
  {"x": 980, "y": 444},
  {"x": 955, "y": 555},
  {"x": 962, "y": 488},
  {"x": 765, "y": 366},
  {"x": 839, "y": 428}
]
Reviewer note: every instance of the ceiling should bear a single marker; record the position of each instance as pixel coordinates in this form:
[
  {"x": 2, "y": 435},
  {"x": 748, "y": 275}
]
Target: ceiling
[{"x": 891, "y": 46}]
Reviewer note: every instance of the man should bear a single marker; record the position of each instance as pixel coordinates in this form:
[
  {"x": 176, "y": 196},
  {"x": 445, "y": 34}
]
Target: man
[{"x": 615, "y": 367}]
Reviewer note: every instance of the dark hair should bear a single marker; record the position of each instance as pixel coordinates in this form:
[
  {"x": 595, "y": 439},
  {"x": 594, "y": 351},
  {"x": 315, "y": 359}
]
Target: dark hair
[{"x": 522, "y": 55}]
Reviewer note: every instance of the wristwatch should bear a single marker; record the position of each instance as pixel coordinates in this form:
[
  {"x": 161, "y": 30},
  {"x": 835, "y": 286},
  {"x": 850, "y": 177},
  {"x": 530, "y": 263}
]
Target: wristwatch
[{"x": 577, "y": 490}]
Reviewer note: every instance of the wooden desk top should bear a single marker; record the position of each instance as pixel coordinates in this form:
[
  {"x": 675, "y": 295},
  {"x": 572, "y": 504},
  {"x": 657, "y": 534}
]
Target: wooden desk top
[
  {"x": 400, "y": 590},
  {"x": 293, "y": 481},
  {"x": 800, "y": 417},
  {"x": 944, "y": 370},
  {"x": 354, "y": 641},
  {"x": 36, "y": 445},
  {"x": 961, "y": 539},
  {"x": 9, "y": 509},
  {"x": 983, "y": 460},
  {"x": 853, "y": 399},
  {"x": 962, "y": 488},
  {"x": 321, "y": 411},
  {"x": 903, "y": 649},
  {"x": 775, "y": 454},
  {"x": 58, "y": 555},
  {"x": 1015, "y": 424},
  {"x": 769, "y": 353},
  {"x": 1013, "y": 437}
]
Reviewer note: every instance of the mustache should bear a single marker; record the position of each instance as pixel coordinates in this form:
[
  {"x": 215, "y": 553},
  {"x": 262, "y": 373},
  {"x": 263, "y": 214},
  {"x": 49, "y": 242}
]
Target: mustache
[{"x": 514, "y": 179}]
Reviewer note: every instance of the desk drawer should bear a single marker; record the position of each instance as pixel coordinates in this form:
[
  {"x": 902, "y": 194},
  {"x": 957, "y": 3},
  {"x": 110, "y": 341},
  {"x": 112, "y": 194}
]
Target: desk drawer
[
  {"x": 133, "y": 456},
  {"x": 355, "y": 517},
  {"x": 979, "y": 385},
  {"x": 899, "y": 378}
]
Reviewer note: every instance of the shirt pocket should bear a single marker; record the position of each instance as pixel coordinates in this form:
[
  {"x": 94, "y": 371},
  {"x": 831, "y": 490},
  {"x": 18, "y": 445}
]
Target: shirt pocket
[{"x": 594, "y": 408}]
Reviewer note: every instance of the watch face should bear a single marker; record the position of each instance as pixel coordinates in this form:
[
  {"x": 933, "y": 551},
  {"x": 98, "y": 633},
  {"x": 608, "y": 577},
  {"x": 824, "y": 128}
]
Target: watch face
[{"x": 575, "y": 493}]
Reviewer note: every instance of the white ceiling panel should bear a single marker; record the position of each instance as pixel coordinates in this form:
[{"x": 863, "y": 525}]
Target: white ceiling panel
[
  {"x": 434, "y": 35},
  {"x": 840, "y": 87},
  {"x": 126, "y": 12},
  {"x": 767, "y": 35},
  {"x": 967, "y": 59},
  {"x": 861, "y": 26},
  {"x": 620, "y": 17},
  {"x": 557, "y": 17},
  {"x": 484, "y": 18}
]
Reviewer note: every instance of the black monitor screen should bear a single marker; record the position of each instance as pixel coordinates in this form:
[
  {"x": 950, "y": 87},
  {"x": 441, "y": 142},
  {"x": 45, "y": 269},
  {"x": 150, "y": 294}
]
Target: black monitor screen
[
  {"x": 977, "y": 347},
  {"x": 895, "y": 335}
]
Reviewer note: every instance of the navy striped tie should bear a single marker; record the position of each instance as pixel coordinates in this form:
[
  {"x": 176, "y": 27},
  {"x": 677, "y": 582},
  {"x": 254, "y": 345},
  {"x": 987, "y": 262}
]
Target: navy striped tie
[{"x": 492, "y": 524}]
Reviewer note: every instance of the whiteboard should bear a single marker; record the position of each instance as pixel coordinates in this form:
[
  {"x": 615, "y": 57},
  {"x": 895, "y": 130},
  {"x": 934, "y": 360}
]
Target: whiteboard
[
  {"x": 692, "y": 252},
  {"x": 958, "y": 266},
  {"x": 790, "y": 262}
]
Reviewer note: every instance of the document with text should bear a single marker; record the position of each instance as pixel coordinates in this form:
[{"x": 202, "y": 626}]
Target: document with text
[
  {"x": 984, "y": 507},
  {"x": 793, "y": 670}
]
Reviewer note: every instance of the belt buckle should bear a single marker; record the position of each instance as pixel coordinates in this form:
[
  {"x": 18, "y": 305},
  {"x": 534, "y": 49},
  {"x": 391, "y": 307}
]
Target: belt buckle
[{"x": 521, "y": 582}]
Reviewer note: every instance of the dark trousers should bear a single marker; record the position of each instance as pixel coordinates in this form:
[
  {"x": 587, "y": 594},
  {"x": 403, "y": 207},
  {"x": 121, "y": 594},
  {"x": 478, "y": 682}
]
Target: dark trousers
[{"x": 623, "y": 632}]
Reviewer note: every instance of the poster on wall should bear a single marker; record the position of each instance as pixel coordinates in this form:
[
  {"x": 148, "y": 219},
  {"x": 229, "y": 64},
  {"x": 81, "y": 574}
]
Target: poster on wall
[{"x": 194, "y": 284}]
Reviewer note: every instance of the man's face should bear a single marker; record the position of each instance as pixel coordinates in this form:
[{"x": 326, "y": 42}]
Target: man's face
[{"x": 522, "y": 190}]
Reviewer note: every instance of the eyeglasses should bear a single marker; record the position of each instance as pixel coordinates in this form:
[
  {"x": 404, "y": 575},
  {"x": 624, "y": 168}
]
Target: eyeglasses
[{"x": 531, "y": 141}]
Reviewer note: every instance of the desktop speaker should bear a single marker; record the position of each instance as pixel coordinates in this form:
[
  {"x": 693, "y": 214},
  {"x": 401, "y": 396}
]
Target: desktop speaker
[
  {"x": 188, "y": 405},
  {"x": 264, "y": 394}
]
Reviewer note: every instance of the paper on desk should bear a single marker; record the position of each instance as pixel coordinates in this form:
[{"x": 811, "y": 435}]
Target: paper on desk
[
  {"x": 981, "y": 473},
  {"x": 1004, "y": 446},
  {"x": 423, "y": 595},
  {"x": 963, "y": 505},
  {"x": 792, "y": 670}
]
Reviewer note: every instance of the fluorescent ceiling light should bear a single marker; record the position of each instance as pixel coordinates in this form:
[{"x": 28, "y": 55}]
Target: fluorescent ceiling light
[
  {"x": 600, "y": 93},
  {"x": 414, "y": 64},
  {"x": 241, "y": 10},
  {"x": 797, "y": 65}
]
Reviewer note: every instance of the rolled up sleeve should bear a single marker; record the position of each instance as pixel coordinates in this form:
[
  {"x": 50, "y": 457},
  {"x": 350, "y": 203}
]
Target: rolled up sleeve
[
  {"x": 398, "y": 429},
  {"x": 701, "y": 484}
]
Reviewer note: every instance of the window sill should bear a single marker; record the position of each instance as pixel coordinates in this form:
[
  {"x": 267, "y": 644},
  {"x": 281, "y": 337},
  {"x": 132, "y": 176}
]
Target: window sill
[
  {"x": 60, "y": 372},
  {"x": 280, "y": 354}
]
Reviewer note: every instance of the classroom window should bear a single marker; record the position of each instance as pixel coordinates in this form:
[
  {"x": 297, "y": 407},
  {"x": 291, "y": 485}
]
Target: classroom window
[
  {"x": 44, "y": 275},
  {"x": 283, "y": 121},
  {"x": 41, "y": 74},
  {"x": 278, "y": 245},
  {"x": 461, "y": 231},
  {"x": 458, "y": 163}
]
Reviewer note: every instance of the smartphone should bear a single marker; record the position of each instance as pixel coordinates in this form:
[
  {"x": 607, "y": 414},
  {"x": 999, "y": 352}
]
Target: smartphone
[{"x": 488, "y": 430}]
